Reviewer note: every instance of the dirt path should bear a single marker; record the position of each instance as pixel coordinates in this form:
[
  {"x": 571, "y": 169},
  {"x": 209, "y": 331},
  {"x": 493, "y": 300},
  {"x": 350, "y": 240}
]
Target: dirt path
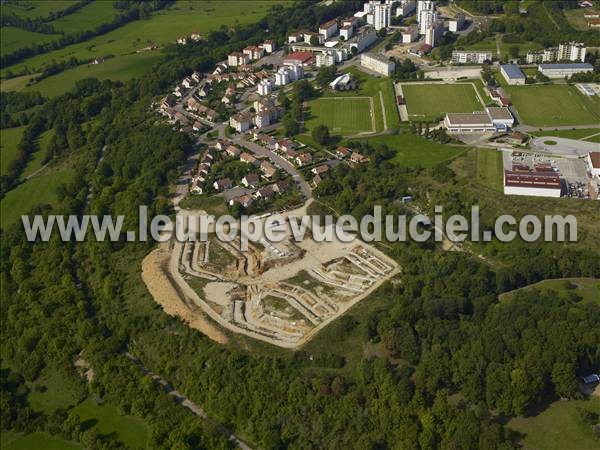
[
  {"x": 187, "y": 403},
  {"x": 155, "y": 276}
]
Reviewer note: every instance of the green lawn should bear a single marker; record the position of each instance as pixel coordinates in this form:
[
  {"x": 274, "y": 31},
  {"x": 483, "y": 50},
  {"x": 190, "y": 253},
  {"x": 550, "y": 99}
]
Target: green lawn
[
  {"x": 107, "y": 419},
  {"x": 15, "y": 83},
  {"x": 86, "y": 18},
  {"x": 57, "y": 392},
  {"x": 489, "y": 168},
  {"x": 13, "y": 38},
  {"x": 341, "y": 115},
  {"x": 554, "y": 105},
  {"x": 489, "y": 44},
  {"x": 9, "y": 139},
  {"x": 431, "y": 101},
  {"x": 38, "y": 190},
  {"x": 578, "y": 133},
  {"x": 587, "y": 288},
  {"x": 413, "y": 150},
  {"x": 558, "y": 427},
  {"x": 35, "y": 441},
  {"x": 35, "y": 161}
]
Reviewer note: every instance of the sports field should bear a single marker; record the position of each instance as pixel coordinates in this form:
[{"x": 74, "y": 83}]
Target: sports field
[
  {"x": 554, "y": 105},
  {"x": 343, "y": 115},
  {"x": 431, "y": 101}
]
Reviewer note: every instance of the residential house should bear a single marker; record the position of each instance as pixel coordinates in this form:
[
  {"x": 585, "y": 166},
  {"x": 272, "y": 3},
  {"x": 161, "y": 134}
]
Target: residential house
[
  {"x": 250, "y": 180},
  {"x": 342, "y": 152},
  {"x": 248, "y": 159},
  {"x": 284, "y": 145},
  {"x": 187, "y": 82},
  {"x": 197, "y": 125},
  {"x": 303, "y": 158},
  {"x": 268, "y": 46},
  {"x": 266, "y": 193},
  {"x": 320, "y": 169},
  {"x": 267, "y": 169},
  {"x": 282, "y": 186},
  {"x": 232, "y": 150},
  {"x": 196, "y": 76},
  {"x": 195, "y": 36},
  {"x": 240, "y": 122},
  {"x": 244, "y": 200},
  {"x": 223, "y": 184},
  {"x": 357, "y": 158}
]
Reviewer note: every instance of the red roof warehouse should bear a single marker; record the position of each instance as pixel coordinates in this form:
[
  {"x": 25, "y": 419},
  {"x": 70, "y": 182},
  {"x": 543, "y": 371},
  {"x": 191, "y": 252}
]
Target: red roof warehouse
[{"x": 304, "y": 58}]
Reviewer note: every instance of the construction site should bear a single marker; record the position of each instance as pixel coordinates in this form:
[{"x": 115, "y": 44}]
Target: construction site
[{"x": 282, "y": 293}]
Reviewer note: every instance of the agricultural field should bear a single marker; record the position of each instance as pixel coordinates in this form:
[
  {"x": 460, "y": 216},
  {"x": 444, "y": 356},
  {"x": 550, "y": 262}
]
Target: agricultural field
[
  {"x": 558, "y": 427},
  {"x": 430, "y": 101},
  {"x": 586, "y": 288},
  {"x": 86, "y": 18},
  {"x": 344, "y": 115},
  {"x": 37, "y": 440},
  {"x": 13, "y": 38},
  {"x": 413, "y": 150},
  {"x": 107, "y": 419},
  {"x": 33, "y": 9},
  {"x": 8, "y": 146},
  {"x": 37, "y": 190},
  {"x": 554, "y": 105}
]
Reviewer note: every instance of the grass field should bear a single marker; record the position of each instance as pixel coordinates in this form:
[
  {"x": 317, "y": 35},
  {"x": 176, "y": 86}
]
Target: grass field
[
  {"x": 554, "y": 105},
  {"x": 430, "y": 101},
  {"x": 35, "y": 441},
  {"x": 345, "y": 115},
  {"x": 107, "y": 419},
  {"x": 15, "y": 83},
  {"x": 13, "y": 39},
  {"x": 86, "y": 18},
  {"x": 413, "y": 150},
  {"x": 489, "y": 168},
  {"x": 587, "y": 288},
  {"x": 35, "y": 161},
  {"x": 32, "y": 9},
  {"x": 38, "y": 190},
  {"x": 558, "y": 427},
  {"x": 578, "y": 134},
  {"x": 58, "y": 393},
  {"x": 9, "y": 139},
  {"x": 489, "y": 44}
]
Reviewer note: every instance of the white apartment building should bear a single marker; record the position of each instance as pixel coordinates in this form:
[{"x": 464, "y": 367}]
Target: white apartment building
[
  {"x": 434, "y": 34},
  {"x": 265, "y": 87},
  {"x": 237, "y": 59},
  {"x": 406, "y": 7},
  {"x": 325, "y": 59},
  {"x": 377, "y": 64},
  {"x": 328, "y": 29},
  {"x": 346, "y": 32},
  {"x": 470, "y": 57},
  {"x": 382, "y": 16},
  {"x": 424, "y": 6},
  {"x": 426, "y": 19},
  {"x": 572, "y": 51}
]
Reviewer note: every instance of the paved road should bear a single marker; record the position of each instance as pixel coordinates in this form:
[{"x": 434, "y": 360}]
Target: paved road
[
  {"x": 279, "y": 161},
  {"x": 570, "y": 127},
  {"x": 186, "y": 402},
  {"x": 569, "y": 148}
]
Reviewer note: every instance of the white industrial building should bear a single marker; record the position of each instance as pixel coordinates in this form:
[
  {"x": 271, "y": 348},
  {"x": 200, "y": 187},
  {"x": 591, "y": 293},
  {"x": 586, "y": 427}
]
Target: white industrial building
[
  {"x": 512, "y": 74},
  {"x": 382, "y": 15},
  {"x": 536, "y": 184},
  {"x": 377, "y": 64},
  {"x": 470, "y": 57},
  {"x": 493, "y": 119},
  {"x": 457, "y": 23},
  {"x": 564, "y": 70},
  {"x": 593, "y": 161}
]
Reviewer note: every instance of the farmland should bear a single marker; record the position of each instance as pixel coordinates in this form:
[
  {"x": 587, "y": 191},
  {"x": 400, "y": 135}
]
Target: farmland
[
  {"x": 87, "y": 18},
  {"x": 15, "y": 38},
  {"x": 430, "y": 101},
  {"x": 554, "y": 105},
  {"x": 345, "y": 115},
  {"x": 8, "y": 146},
  {"x": 33, "y": 9}
]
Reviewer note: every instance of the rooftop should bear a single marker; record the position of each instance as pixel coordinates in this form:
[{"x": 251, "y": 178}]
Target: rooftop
[
  {"x": 512, "y": 71},
  {"x": 476, "y": 118},
  {"x": 566, "y": 66},
  {"x": 595, "y": 158},
  {"x": 540, "y": 180},
  {"x": 497, "y": 113}
]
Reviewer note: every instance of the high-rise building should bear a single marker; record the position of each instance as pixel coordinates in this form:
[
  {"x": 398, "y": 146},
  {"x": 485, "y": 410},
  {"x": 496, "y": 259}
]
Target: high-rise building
[
  {"x": 382, "y": 16},
  {"x": 434, "y": 33},
  {"x": 424, "y": 6},
  {"x": 572, "y": 51},
  {"x": 426, "y": 19}
]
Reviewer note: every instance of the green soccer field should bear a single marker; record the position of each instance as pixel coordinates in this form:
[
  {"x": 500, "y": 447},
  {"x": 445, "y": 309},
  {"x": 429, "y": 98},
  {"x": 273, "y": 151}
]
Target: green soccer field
[
  {"x": 550, "y": 105},
  {"x": 431, "y": 101},
  {"x": 343, "y": 115}
]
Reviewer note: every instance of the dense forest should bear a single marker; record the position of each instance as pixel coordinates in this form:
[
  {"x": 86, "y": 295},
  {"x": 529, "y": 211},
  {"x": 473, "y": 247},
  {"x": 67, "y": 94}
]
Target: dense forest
[{"x": 445, "y": 334}]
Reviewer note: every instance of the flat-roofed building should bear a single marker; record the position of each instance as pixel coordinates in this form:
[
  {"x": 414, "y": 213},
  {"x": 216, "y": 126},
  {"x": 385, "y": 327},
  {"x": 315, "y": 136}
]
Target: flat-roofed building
[
  {"x": 470, "y": 57},
  {"x": 536, "y": 184},
  {"x": 593, "y": 160},
  {"x": 512, "y": 74},
  {"x": 572, "y": 51},
  {"x": 478, "y": 121},
  {"x": 410, "y": 34},
  {"x": 377, "y": 64},
  {"x": 457, "y": 23},
  {"x": 564, "y": 70},
  {"x": 501, "y": 117}
]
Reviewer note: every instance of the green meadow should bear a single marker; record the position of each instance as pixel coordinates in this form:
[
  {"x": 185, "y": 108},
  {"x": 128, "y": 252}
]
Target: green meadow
[
  {"x": 35, "y": 441},
  {"x": 10, "y": 138},
  {"x": 32, "y": 9},
  {"x": 13, "y": 38}
]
